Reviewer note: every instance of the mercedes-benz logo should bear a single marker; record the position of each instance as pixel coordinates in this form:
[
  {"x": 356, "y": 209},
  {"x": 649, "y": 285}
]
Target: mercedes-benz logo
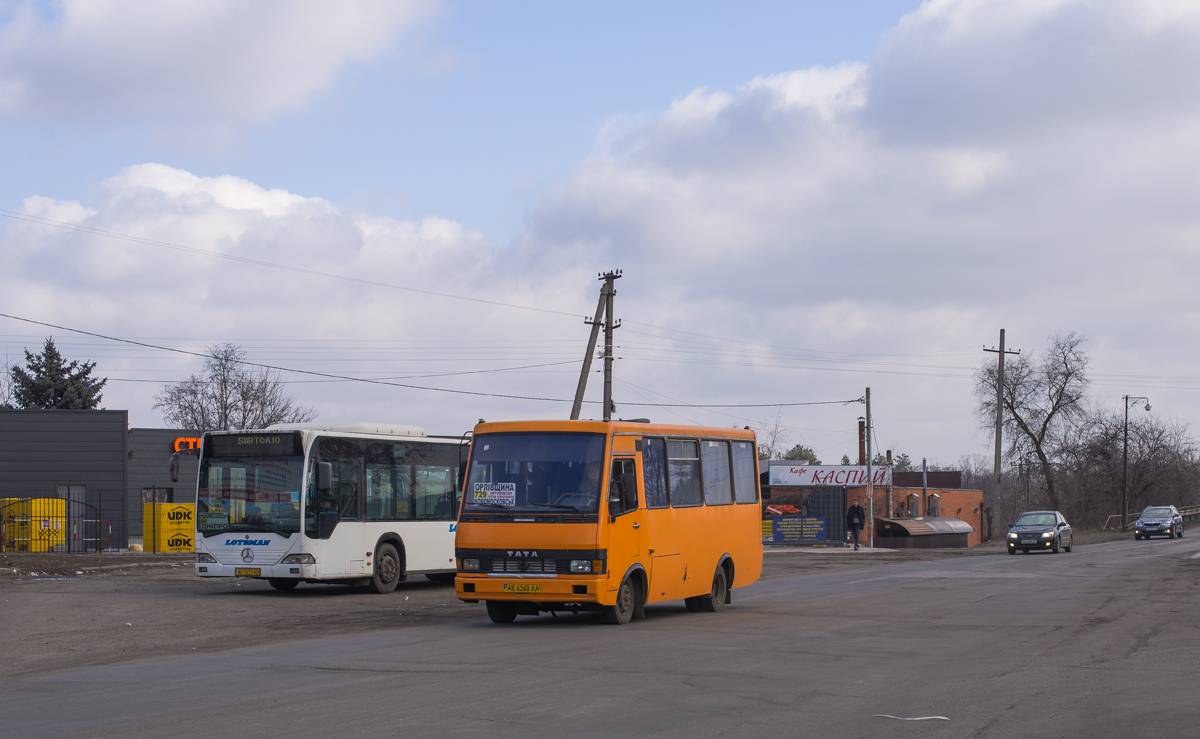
[{"x": 247, "y": 555}]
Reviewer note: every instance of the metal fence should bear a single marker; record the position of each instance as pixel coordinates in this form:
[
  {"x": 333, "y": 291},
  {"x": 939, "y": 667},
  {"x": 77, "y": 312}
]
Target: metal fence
[
  {"x": 56, "y": 525},
  {"x": 1189, "y": 513}
]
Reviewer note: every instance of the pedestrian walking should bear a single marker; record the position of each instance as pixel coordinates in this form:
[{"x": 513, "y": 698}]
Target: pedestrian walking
[{"x": 855, "y": 518}]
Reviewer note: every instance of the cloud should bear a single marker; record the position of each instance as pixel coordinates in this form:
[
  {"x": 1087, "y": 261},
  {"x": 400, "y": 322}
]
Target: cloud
[
  {"x": 1021, "y": 164},
  {"x": 194, "y": 59},
  {"x": 995, "y": 164}
]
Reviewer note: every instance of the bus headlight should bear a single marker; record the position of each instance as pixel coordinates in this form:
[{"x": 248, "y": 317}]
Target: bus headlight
[
  {"x": 298, "y": 559},
  {"x": 470, "y": 565},
  {"x": 204, "y": 557},
  {"x": 581, "y": 565}
]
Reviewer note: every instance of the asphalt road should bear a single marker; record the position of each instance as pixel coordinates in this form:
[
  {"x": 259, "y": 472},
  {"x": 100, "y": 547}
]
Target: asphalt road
[{"x": 1099, "y": 642}]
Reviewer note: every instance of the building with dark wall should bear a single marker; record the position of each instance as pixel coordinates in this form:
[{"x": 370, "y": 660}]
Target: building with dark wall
[
  {"x": 95, "y": 458},
  {"x": 78, "y": 455},
  {"x": 150, "y": 453}
]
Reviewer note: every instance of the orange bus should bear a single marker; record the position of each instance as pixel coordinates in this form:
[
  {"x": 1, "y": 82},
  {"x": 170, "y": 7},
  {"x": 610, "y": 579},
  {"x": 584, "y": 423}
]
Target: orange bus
[{"x": 607, "y": 516}]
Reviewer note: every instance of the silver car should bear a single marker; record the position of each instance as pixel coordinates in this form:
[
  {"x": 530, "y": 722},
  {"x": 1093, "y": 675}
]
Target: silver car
[{"x": 1161, "y": 520}]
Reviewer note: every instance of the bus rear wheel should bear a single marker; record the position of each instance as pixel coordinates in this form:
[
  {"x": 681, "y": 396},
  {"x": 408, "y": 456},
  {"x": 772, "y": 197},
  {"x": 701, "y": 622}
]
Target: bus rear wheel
[
  {"x": 715, "y": 600},
  {"x": 283, "y": 583},
  {"x": 501, "y": 612},
  {"x": 626, "y": 604},
  {"x": 387, "y": 570}
]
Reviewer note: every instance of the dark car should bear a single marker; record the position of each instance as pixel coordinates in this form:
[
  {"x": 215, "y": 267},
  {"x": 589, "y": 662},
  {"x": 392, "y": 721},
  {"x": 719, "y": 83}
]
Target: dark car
[
  {"x": 1040, "y": 531},
  {"x": 1159, "y": 520}
]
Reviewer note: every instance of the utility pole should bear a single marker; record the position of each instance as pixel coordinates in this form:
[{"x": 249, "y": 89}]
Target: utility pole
[
  {"x": 991, "y": 503},
  {"x": 870, "y": 487},
  {"x": 604, "y": 310},
  {"x": 924, "y": 485},
  {"x": 1125, "y": 460},
  {"x": 890, "y": 479}
]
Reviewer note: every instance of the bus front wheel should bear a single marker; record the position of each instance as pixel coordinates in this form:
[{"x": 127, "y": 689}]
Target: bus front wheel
[
  {"x": 283, "y": 583},
  {"x": 501, "y": 612},
  {"x": 715, "y": 600},
  {"x": 387, "y": 570},
  {"x": 626, "y": 604}
]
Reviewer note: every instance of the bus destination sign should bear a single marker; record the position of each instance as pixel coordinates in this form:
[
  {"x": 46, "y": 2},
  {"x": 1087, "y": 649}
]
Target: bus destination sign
[{"x": 255, "y": 445}]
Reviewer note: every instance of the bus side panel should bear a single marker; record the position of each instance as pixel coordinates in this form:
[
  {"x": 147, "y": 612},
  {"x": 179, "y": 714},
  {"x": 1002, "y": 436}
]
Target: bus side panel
[{"x": 428, "y": 545}]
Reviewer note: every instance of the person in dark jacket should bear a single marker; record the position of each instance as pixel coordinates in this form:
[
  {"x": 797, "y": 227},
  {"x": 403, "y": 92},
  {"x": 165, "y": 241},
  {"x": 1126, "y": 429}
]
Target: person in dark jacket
[{"x": 856, "y": 518}]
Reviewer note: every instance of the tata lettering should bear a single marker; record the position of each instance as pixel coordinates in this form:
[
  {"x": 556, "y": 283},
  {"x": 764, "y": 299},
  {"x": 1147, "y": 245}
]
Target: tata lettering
[{"x": 247, "y": 542}]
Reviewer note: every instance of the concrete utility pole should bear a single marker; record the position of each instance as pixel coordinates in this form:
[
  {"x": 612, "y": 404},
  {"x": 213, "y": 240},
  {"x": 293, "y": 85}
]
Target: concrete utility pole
[
  {"x": 603, "y": 308},
  {"x": 924, "y": 486},
  {"x": 991, "y": 502},
  {"x": 870, "y": 487},
  {"x": 1125, "y": 460}
]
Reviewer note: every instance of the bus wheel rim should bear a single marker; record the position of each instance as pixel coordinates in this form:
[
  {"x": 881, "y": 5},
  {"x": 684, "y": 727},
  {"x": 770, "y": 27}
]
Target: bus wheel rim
[{"x": 387, "y": 569}]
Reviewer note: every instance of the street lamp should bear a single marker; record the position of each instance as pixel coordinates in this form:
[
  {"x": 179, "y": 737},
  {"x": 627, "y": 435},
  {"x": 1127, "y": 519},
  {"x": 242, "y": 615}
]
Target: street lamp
[{"x": 1125, "y": 458}]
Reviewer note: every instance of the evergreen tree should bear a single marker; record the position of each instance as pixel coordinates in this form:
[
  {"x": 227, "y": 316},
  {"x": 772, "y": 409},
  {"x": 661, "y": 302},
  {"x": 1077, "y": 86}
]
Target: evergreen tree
[
  {"x": 802, "y": 453},
  {"x": 48, "y": 382}
]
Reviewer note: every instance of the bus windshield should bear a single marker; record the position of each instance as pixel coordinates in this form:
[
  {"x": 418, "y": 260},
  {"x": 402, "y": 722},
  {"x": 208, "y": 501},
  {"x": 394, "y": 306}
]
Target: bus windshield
[
  {"x": 249, "y": 494},
  {"x": 536, "y": 471}
]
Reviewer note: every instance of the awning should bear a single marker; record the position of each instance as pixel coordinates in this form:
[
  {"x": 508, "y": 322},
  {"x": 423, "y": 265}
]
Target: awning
[{"x": 925, "y": 526}]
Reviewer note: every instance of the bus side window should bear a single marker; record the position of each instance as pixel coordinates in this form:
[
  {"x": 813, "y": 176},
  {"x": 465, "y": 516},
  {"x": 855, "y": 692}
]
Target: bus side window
[
  {"x": 715, "y": 457},
  {"x": 683, "y": 473},
  {"x": 654, "y": 467},
  {"x": 622, "y": 488},
  {"x": 346, "y": 456},
  {"x": 745, "y": 484}
]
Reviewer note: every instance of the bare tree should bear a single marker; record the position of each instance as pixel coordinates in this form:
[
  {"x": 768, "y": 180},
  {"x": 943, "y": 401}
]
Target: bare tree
[
  {"x": 1042, "y": 400},
  {"x": 772, "y": 436},
  {"x": 8, "y": 399},
  {"x": 229, "y": 394}
]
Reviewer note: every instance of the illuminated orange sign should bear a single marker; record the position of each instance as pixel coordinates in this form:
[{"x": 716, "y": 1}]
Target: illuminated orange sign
[{"x": 186, "y": 442}]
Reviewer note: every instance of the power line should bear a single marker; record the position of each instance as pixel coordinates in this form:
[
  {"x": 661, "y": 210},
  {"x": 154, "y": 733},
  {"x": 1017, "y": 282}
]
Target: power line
[{"x": 416, "y": 387}]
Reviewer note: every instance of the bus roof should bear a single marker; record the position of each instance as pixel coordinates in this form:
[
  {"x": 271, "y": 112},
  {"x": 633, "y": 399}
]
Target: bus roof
[
  {"x": 352, "y": 427},
  {"x": 616, "y": 427}
]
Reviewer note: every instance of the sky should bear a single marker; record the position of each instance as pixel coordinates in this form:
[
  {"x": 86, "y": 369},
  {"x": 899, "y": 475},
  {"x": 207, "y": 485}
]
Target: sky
[{"x": 805, "y": 199}]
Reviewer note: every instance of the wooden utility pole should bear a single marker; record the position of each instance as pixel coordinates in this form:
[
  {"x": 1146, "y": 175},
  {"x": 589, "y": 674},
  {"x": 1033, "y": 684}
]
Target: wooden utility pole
[
  {"x": 991, "y": 502},
  {"x": 604, "y": 309}
]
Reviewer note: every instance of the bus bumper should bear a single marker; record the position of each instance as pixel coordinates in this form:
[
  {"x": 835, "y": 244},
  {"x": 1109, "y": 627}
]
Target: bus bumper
[
  {"x": 297, "y": 572},
  {"x": 572, "y": 589}
]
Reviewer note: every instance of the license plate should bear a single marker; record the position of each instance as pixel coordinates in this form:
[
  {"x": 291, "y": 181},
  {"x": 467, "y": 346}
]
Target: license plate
[
  {"x": 521, "y": 588},
  {"x": 248, "y": 572},
  {"x": 1029, "y": 541}
]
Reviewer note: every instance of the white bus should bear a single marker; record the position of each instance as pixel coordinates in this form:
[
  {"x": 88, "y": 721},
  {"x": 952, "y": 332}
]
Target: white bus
[{"x": 347, "y": 503}]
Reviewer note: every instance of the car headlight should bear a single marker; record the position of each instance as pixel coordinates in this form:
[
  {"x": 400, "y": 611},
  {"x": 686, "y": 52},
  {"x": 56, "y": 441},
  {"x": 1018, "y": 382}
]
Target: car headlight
[
  {"x": 204, "y": 557},
  {"x": 298, "y": 559},
  {"x": 470, "y": 565},
  {"x": 1139, "y": 522},
  {"x": 581, "y": 565},
  {"x": 1048, "y": 534},
  {"x": 1012, "y": 535}
]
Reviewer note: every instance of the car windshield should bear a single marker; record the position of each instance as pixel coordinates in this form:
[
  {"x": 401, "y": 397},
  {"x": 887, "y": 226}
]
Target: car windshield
[
  {"x": 1035, "y": 519},
  {"x": 249, "y": 494},
  {"x": 1157, "y": 513},
  {"x": 535, "y": 471}
]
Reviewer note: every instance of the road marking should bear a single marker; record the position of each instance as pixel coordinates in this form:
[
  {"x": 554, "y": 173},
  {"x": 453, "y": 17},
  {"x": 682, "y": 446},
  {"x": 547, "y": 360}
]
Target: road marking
[{"x": 914, "y": 718}]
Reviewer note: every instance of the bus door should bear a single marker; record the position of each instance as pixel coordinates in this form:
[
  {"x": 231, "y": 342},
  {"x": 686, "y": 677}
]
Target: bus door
[
  {"x": 626, "y": 525},
  {"x": 344, "y": 547}
]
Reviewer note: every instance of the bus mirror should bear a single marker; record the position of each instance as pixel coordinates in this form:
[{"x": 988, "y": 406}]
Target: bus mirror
[
  {"x": 324, "y": 475},
  {"x": 175, "y": 467},
  {"x": 614, "y": 508}
]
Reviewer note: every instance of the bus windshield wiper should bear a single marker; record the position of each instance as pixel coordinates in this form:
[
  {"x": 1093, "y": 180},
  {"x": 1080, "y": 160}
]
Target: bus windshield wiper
[
  {"x": 558, "y": 505},
  {"x": 490, "y": 505}
]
